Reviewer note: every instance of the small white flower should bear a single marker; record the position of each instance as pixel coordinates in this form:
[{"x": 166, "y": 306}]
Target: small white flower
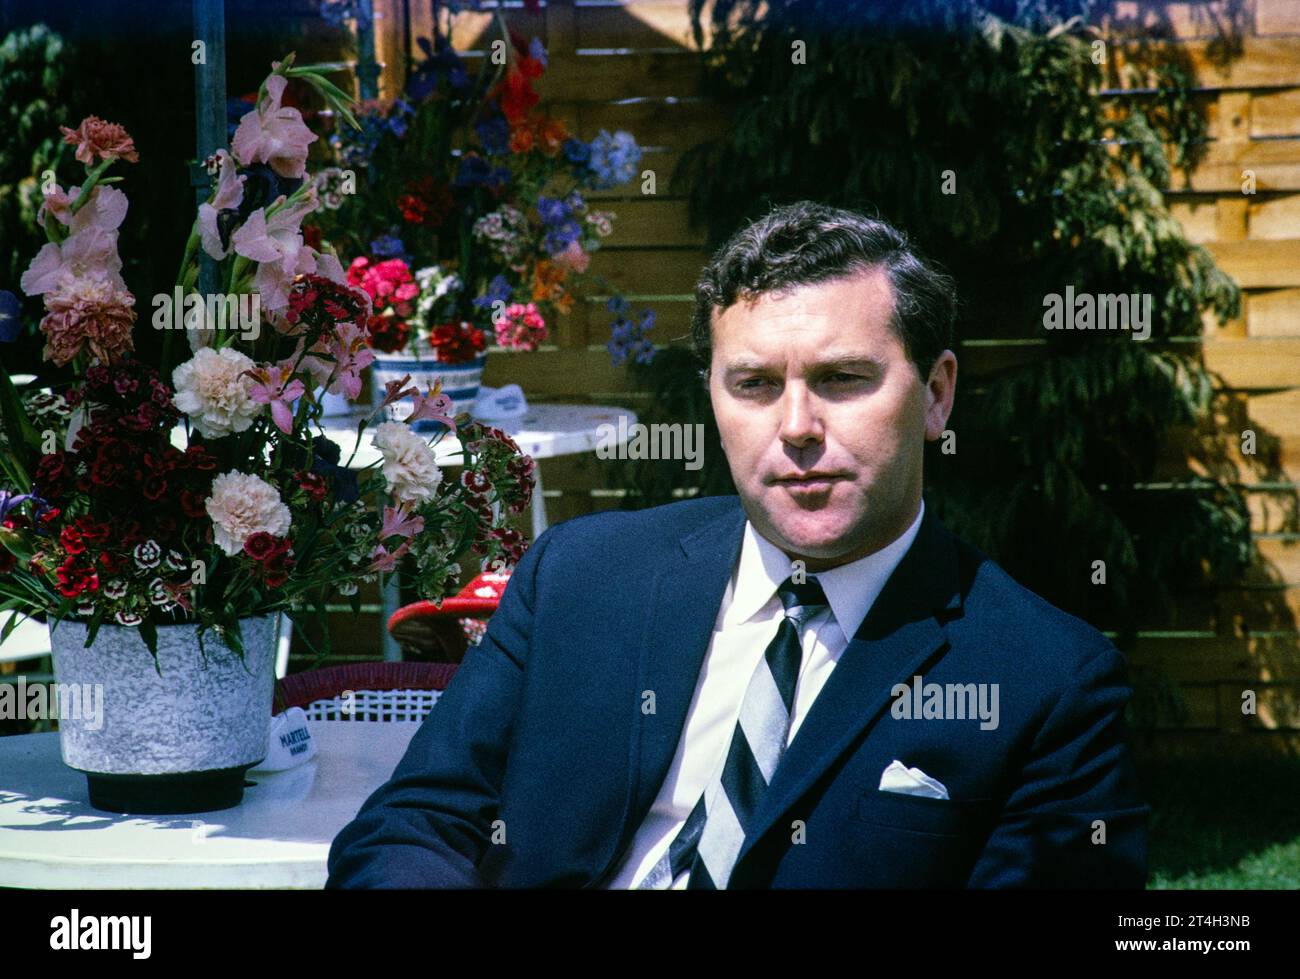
[
  {"x": 409, "y": 469},
  {"x": 212, "y": 392},
  {"x": 147, "y": 555},
  {"x": 240, "y": 506},
  {"x": 348, "y": 588},
  {"x": 114, "y": 589},
  {"x": 176, "y": 561},
  {"x": 158, "y": 593},
  {"x": 128, "y": 618}
]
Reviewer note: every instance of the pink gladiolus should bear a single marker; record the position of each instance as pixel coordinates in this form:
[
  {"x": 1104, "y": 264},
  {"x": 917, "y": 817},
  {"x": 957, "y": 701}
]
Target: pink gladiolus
[
  {"x": 230, "y": 193},
  {"x": 436, "y": 405},
  {"x": 274, "y": 134},
  {"x": 276, "y": 244},
  {"x": 90, "y": 248},
  {"x": 273, "y": 387},
  {"x": 399, "y": 523}
]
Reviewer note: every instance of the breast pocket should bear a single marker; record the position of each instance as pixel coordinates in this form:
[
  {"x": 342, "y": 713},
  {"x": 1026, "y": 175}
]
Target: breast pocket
[{"x": 919, "y": 814}]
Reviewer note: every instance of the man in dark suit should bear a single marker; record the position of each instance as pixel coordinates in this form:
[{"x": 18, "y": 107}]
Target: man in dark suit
[{"x": 811, "y": 684}]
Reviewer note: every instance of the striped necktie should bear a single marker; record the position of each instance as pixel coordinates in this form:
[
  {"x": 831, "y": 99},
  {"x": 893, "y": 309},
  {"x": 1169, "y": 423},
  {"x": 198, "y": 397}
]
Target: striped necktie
[{"x": 712, "y": 837}]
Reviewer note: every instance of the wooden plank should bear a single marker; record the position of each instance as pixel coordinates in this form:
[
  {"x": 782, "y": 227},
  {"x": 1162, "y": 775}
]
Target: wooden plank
[
  {"x": 1252, "y": 364},
  {"x": 1185, "y": 21},
  {"x": 1277, "y": 17},
  {"x": 653, "y": 222},
  {"x": 650, "y": 271},
  {"x": 1275, "y": 113},
  {"x": 1259, "y": 264},
  {"x": 606, "y": 77},
  {"x": 1263, "y": 62},
  {"x": 1275, "y": 313},
  {"x": 639, "y": 24},
  {"x": 1275, "y": 217},
  {"x": 1197, "y": 215}
]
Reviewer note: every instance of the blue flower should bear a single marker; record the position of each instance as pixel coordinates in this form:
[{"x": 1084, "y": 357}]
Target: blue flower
[
  {"x": 472, "y": 170},
  {"x": 628, "y": 338},
  {"x": 494, "y": 134},
  {"x": 498, "y": 291},
  {"x": 11, "y": 327},
  {"x": 552, "y": 210},
  {"x": 560, "y": 237},
  {"x": 388, "y": 246},
  {"x": 537, "y": 50},
  {"x": 576, "y": 151},
  {"x": 613, "y": 160}
]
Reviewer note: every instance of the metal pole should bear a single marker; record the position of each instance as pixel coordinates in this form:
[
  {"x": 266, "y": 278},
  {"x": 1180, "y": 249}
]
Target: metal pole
[
  {"x": 367, "y": 67},
  {"x": 209, "y": 111}
]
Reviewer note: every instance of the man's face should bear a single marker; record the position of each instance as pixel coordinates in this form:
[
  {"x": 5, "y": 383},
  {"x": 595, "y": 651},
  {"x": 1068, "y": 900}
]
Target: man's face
[{"x": 814, "y": 381}]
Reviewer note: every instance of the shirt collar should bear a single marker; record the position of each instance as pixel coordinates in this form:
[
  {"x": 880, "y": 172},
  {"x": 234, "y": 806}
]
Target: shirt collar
[{"x": 851, "y": 589}]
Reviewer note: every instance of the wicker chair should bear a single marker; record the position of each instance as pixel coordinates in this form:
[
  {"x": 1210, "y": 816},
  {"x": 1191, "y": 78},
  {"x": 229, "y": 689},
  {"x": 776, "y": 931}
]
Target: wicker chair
[{"x": 365, "y": 691}]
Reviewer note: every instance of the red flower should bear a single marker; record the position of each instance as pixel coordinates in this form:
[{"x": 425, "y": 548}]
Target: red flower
[
  {"x": 313, "y": 485},
  {"x": 74, "y": 580},
  {"x": 388, "y": 333},
  {"x": 456, "y": 343},
  {"x": 260, "y": 546}
]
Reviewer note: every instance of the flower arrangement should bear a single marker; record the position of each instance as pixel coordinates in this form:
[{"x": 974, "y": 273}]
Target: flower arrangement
[
  {"x": 207, "y": 492},
  {"x": 465, "y": 180}
]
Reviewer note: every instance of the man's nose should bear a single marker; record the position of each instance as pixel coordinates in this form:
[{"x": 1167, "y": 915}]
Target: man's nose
[{"x": 800, "y": 419}]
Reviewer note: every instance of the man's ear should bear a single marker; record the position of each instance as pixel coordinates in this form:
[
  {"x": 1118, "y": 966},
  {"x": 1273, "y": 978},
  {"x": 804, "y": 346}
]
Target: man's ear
[{"x": 940, "y": 389}]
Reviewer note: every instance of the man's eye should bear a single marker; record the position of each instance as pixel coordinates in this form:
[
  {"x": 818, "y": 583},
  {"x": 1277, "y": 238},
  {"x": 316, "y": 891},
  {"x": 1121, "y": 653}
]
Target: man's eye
[
  {"x": 841, "y": 377},
  {"x": 746, "y": 384}
]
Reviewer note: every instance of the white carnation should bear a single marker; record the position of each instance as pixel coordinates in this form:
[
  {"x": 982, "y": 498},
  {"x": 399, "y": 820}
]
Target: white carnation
[
  {"x": 240, "y": 506},
  {"x": 210, "y": 390},
  {"x": 409, "y": 469}
]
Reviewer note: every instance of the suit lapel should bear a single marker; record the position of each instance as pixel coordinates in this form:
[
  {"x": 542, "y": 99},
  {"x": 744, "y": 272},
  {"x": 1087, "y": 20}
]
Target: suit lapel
[
  {"x": 900, "y": 632},
  {"x": 683, "y": 606}
]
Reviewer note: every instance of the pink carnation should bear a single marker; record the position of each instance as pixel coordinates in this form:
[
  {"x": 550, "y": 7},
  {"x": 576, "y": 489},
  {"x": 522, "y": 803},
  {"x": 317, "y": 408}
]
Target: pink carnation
[
  {"x": 87, "y": 313},
  {"x": 388, "y": 283},
  {"x": 97, "y": 138},
  {"x": 520, "y": 327}
]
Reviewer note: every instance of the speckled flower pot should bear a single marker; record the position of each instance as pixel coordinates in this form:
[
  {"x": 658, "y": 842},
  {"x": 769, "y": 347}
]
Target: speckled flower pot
[{"x": 178, "y": 741}]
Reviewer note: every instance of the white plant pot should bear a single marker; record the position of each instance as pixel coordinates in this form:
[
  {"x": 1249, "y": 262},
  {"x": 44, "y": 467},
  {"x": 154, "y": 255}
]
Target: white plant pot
[
  {"x": 460, "y": 382},
  {"x": 171, "y": 742}
]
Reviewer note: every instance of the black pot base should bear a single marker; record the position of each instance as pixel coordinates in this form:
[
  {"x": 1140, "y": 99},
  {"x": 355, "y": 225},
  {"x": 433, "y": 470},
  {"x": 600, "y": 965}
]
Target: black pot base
[{"x": 158, "y": 795}]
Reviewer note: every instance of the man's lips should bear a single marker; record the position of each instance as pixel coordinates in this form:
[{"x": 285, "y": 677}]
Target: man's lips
[{"x": 812, "y": 481}]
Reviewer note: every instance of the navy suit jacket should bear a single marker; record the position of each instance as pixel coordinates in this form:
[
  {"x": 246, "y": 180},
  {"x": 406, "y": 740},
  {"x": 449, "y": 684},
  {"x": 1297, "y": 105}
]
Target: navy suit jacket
[{"x": 540, "y": 760}]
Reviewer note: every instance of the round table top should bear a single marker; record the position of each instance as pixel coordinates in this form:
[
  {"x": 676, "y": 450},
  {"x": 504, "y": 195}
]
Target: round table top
[
  {"x": 544, "y": 431},
  {"x": 278, "y": 837}
]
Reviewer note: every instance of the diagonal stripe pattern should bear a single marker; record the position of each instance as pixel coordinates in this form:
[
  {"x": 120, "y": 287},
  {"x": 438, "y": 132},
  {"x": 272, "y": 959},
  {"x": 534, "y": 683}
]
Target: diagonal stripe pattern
[{"x": 712, "y": 837}]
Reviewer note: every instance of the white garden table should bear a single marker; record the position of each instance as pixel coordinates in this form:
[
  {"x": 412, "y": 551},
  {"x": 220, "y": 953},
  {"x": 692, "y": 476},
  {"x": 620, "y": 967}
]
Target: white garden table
[{"x": 278, "y": 837}]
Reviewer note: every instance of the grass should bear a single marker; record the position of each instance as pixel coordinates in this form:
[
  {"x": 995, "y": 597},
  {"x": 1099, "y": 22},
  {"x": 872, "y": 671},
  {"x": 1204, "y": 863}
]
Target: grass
[{"x": 1223, "y": 823}]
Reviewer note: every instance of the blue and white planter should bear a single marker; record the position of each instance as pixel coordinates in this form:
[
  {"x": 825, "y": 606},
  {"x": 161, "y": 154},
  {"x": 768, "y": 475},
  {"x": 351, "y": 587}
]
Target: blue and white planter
[{"x": 460, "y": 382}]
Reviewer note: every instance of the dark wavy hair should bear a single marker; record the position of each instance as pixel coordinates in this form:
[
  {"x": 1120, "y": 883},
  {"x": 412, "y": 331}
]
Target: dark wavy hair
[{"x": 805, "y": 243}]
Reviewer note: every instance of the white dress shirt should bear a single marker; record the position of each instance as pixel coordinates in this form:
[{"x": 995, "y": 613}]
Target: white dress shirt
[{"x": 747, "y": 622}]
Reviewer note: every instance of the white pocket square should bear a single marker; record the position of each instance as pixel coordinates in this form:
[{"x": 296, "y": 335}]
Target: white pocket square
[{"x": 897, "y": 777}]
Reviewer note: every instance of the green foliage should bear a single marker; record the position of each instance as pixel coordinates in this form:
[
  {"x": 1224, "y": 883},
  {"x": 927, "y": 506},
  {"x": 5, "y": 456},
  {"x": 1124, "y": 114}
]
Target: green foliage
[
  {"x": 32, "y": 97},
  {"x": 1056, "y": 185}
]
